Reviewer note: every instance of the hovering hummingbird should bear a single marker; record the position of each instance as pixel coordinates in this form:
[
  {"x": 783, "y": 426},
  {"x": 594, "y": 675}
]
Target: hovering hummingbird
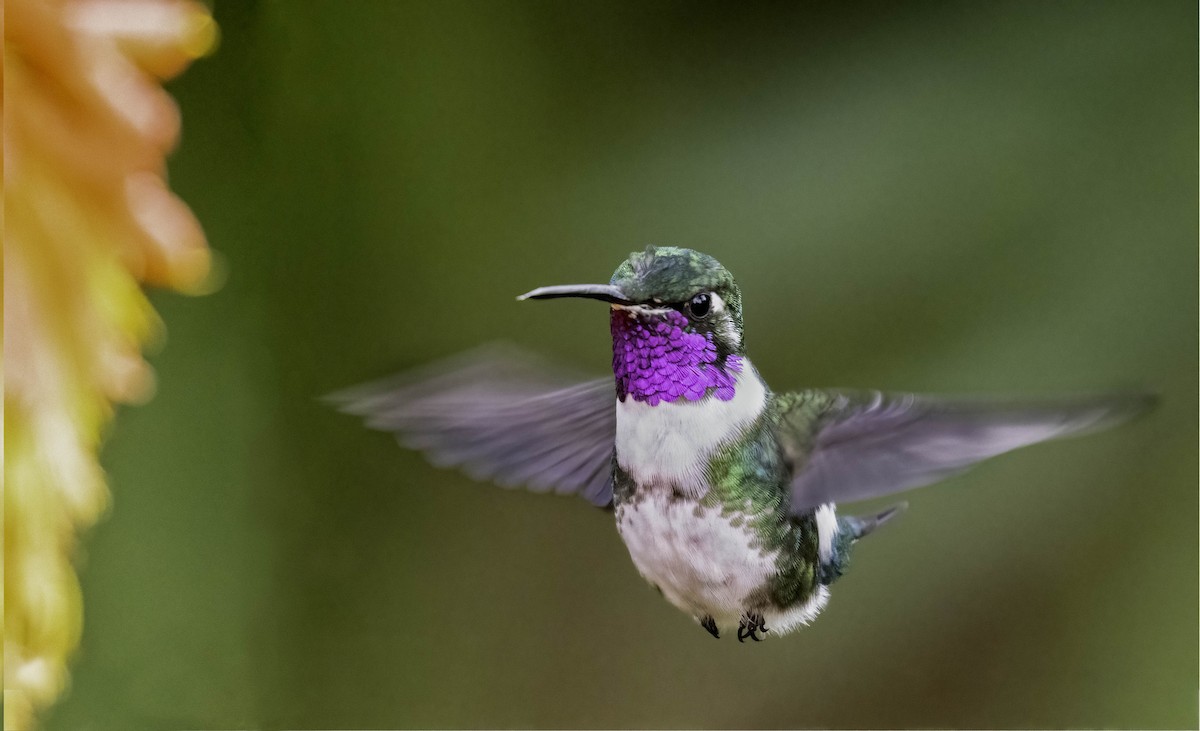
[{"x": 724, "y": 492}]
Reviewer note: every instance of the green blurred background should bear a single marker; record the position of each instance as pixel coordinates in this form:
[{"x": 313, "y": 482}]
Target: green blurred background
[{"x": 952, "y": 197}]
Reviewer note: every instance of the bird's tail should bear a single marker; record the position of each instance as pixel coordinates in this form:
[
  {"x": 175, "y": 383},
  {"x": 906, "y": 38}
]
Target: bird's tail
[
  {"x": 850, "y": 529},
  {"x": 857, "y": 526}
]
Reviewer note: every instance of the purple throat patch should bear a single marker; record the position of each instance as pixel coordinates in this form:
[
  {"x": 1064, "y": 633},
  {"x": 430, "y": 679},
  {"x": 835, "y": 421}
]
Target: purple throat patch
[{"x": 661, "y": 361}]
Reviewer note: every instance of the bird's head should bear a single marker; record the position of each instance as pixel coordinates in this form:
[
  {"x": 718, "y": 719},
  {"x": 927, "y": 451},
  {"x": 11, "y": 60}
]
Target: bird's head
[{"x": 676, "y": 324}]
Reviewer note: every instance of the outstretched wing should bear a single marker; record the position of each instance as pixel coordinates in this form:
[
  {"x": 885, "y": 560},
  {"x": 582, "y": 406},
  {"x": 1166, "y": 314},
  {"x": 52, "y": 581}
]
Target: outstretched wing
[
  {"x": 846, "y": 446},
  {"x": 500, "y": 414}
]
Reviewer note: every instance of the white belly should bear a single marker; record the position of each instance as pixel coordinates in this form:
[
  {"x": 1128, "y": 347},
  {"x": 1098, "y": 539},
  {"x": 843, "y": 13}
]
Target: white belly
[
  {"x": 695, "y": 556},
  {"x": 705, "y": 565}
]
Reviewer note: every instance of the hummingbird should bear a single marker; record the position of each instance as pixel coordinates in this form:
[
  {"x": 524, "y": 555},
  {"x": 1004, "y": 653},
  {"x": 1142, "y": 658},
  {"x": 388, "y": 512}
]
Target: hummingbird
[{"x": 725, "y": 492}]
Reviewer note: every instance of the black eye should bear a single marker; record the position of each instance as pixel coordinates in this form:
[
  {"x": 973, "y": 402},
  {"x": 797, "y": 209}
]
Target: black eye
[{"x": 700, "y": 305}]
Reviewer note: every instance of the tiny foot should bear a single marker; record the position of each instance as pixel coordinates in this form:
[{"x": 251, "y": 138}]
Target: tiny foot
[
  {"x": 710, "y": 624},
  {"x": 750, "y": 626}
]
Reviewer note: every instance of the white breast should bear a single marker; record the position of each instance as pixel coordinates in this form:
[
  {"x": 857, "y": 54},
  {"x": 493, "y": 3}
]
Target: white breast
[{"x": 670, "y": 443}]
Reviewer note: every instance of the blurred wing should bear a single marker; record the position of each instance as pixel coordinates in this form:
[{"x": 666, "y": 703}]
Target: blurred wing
[
  {"x": 847, "y": 446},
  {"x": 500, "y": 414}
]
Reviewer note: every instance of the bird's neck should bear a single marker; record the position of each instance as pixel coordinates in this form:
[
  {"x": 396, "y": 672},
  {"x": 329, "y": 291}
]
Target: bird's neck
[
  {"x": 672, "y": 443},
  {"x": 659, "y": 361}
]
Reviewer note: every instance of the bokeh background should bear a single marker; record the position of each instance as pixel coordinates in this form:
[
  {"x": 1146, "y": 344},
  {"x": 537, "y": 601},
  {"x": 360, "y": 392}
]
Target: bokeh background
[{"x": 938, "y": 196}]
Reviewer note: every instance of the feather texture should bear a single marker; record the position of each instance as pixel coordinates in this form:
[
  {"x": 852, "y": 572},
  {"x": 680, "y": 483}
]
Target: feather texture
[
  {"x": 847, "y": 446},
  {"x": 500, "y": 414}
]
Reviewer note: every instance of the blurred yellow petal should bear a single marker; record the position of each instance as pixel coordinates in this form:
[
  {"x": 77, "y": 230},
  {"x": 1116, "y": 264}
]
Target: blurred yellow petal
[
  {"x": 162, "y": 38},
  {"x": 88, "y": 220}
]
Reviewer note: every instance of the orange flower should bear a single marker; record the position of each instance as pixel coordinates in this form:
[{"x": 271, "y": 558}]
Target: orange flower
[{"x": 88, "y": 218}]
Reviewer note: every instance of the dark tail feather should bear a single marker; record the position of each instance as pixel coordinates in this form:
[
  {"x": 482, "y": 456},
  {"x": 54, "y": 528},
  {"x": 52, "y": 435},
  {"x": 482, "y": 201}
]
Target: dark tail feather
[
  {"x": 862, "y": 525},
  {"x": 850, "y": 529}
]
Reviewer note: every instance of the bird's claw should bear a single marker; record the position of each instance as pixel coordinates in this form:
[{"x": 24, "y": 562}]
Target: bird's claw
[{"x": 750, "y": 626}]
